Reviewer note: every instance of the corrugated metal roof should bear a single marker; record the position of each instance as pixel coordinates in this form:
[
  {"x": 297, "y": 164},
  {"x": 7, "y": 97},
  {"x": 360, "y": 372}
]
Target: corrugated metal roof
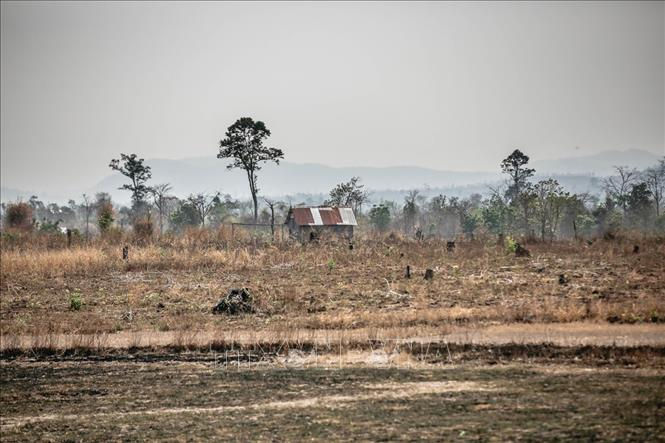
[
  {"x": 348, "y": 217},
  {"x": 324, "y": 216}
]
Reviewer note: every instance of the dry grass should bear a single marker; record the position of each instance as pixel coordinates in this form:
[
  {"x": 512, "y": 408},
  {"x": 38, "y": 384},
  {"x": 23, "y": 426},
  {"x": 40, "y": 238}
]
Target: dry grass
[{"x": 171, "y": 286}]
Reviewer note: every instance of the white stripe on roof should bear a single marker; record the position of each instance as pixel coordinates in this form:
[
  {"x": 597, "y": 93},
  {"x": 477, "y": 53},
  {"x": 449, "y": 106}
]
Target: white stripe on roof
[
  {"x": 347, "y": 216},
  {"x": 317, "y": 216}
]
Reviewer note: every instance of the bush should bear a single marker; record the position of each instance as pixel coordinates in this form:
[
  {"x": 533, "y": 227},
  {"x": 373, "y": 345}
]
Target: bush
[
  {"x": 143, "y": 229},
  {"x": 511, "y": 245},
  {"x": 105, "y": 216},
  {"x": 75, "y": 302},
  {"x": 19, "y": 216}
]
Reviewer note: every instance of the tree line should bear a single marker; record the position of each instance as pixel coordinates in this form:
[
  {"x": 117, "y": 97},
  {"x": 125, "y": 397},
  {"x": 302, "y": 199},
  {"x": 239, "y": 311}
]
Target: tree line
[
  {"x": 543, "y": 209},
  {"x": 520, "y": 207}
]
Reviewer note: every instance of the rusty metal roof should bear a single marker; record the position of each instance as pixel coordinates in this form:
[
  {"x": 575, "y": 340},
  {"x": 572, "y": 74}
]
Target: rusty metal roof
[{"x": 324, "y": 216}]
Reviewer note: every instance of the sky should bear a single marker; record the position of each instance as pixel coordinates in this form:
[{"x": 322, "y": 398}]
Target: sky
[{"x": 449, "y": 86}]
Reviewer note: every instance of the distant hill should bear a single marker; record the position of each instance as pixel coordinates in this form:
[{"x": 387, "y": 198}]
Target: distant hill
[
  {"x": 206, "y": 174},
  {"x": 599, "y": 164},
  {"x": 310, "y": 182}
]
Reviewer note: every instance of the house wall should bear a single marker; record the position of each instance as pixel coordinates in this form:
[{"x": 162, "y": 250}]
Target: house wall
[{"x": 303, "y": 233}]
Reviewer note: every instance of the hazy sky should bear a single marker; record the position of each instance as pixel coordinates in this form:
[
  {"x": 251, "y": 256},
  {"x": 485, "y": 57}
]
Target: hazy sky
[{"x": 443, "y": 85}]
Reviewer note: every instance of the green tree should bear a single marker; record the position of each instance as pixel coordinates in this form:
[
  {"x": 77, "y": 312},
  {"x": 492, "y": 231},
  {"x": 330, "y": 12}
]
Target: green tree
[
  {"x": 203, "y": 204},
  {"x": 133, "y": 168},
  {"x": 496, "y": 214},
  {"x": 519, "y": 191},
  {"x": 244, "y": 145},
  {"x": 184, "y": 216},
  {"x": 105, "y": 213},
  {"x": 639, "y": 206},
  {"x": 379, "y": 217},
  {"x": 515, "y": 166},
  {"x": 349, "y": 194},
  {"x": 549, "y": 199}
]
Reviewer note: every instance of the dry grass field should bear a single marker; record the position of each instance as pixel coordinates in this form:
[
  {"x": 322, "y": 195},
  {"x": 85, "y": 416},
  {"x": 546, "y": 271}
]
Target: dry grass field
[
  {"x": 566, "y": 344},
  {"x": 329, "y": 286}
]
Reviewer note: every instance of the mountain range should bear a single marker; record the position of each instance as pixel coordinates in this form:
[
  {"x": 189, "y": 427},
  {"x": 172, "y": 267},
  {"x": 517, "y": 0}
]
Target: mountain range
[{"x": 204, "y": 174}]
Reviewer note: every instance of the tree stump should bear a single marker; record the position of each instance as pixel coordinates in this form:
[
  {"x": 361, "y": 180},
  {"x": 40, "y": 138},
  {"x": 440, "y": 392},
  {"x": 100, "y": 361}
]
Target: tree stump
[
  {"x": 450, "y": 246},
  {"x": 69, "y": 238},
  {"x": 125, "y": 253},
  {"x": 429, "y": 274}
]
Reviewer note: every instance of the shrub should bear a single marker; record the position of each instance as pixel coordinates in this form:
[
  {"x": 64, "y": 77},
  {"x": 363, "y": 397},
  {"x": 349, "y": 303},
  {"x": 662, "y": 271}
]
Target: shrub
[
  {"x": 511, "y": 245},
  {"x": 143, "y": 228},
  {"x": 75, "y": 302},
  {"x": 19, "y": 216},
  {"x": 105, "y": 216}
]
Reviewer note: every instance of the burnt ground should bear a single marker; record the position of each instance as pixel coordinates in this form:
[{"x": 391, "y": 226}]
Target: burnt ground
[{"x": 60, "y": 400}]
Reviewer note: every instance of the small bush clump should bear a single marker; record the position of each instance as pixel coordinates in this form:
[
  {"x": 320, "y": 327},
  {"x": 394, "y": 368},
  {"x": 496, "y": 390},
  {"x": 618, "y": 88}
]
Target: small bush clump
[
  {"x": 19, "y": 216},
  {"x": 75, "y": 302},
  {"x": 143, "y": 229}
]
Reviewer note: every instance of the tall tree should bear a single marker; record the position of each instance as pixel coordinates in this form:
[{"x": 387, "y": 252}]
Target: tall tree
[
  {"x": 272, "y": 205},
  {"x": 410, "y": 210},
  {"x": 244, "y": 145},
  {"x": 639, "y": 206},
  {"x": 133, "y": 168},
  {"x": 160, "y": 199},
  {"x": 515, "y": 166},
  {"x": 549, "y": 200},
  {"x": 87, "y": 206},
  {"x": 618, "y": 186},
  {"x": 655, "y": 179},
  {"x": 519, "y": 192}
]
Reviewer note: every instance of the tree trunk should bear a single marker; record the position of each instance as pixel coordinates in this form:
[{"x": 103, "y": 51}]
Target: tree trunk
[{"x": 256, "y": 206}]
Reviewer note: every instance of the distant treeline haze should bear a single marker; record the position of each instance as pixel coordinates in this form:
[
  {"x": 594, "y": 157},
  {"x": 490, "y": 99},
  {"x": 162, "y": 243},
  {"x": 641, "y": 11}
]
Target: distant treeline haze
[{"x": 520, "y": 207}]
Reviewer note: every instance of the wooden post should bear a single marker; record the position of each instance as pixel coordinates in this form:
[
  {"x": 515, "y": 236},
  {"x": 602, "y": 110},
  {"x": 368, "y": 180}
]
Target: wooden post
[
  {"x": 69, "y": 238},
  {"x": 408, "y": 272}
]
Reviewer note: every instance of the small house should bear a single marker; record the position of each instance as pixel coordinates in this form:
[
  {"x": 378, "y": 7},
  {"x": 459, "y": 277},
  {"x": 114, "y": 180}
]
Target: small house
[{"x": 308, "y": 224}]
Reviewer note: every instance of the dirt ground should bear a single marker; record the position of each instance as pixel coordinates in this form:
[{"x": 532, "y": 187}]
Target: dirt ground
[{"x": 126, "y": 400}]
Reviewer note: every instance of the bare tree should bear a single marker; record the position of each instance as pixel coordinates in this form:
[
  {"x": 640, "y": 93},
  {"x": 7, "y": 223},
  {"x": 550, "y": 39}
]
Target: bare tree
[
  {"x": 272, "y": 204},
  {"x": 203, "y": 204},
  {"x": 410, "y": 210},
  {"x": 655, "y": 179},
  {"x": 618, "y": 186},
  {"x": 87, "y": 206},
  {"x": 160, "y": 199}
]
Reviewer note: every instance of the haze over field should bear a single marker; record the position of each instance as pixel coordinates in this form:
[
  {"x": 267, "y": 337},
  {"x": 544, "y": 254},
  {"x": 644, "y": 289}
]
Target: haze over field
[
  {"x": 197, "y": 174},
  {"x": 443, "y": 86}
]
